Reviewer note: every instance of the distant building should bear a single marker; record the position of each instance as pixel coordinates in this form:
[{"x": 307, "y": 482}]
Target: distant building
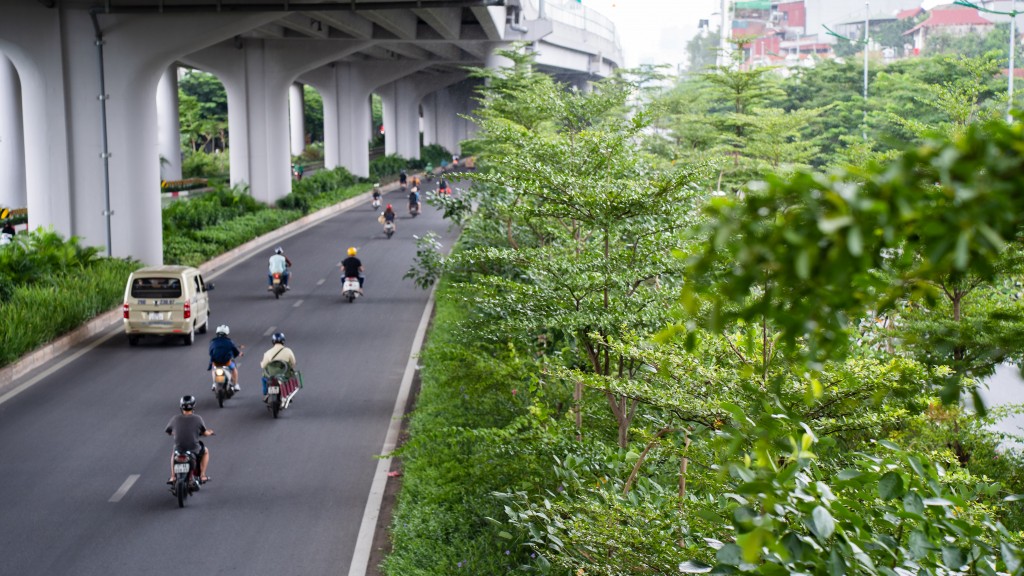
[{"x": 954, "y": 20}]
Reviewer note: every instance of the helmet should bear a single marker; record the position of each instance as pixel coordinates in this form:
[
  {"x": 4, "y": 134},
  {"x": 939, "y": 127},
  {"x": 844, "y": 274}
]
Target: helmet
[
  {"x": 187, "y": 402},
  {"x": 389, "y": 207},
  {"x": 352, "y": 251},
  {"x": 278, "y": 250},
  {"x": 277, "y": 338},
  {"x": 223, "y": 329}
]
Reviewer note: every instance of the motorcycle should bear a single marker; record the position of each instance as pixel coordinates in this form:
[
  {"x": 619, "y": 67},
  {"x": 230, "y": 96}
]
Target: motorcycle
[
  {"x": 389, "y": 228},
  {"x": 281, "y": 388},
  {"x": 223, "y": 387},
  {"x": 375, "y": 203},
  {"x": 186, "y": 476},
  {"x": 277, "y": 285},
  {"x": 350, "y": 288},
  {"x": 414, "y": 209}
]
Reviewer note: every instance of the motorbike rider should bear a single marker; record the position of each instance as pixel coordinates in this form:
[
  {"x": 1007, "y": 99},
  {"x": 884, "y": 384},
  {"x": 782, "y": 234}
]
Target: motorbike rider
[
  {"x": 187, "y": 428},
  {"x": 414, "y": 199},
  {"x": 223, "y": 353},
  {"x": 352, "y": 267},
  {"x": 279, "y": 264},
  {"x": 278, "y": 353},
  {"x": 442, "y": 187},
  {"x": 415, "y": 181},
  {"x": 403, "y": 178},
  {"x": 376, "y": 194},
  {"x": 7, "y": 233},
  {"x": 389, "y": 215}
]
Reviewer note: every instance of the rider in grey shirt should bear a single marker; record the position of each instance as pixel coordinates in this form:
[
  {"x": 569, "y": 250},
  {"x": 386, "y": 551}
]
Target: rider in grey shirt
[{"x": 187, "y": 428}]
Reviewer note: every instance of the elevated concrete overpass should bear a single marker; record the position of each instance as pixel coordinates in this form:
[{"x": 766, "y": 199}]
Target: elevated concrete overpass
[{"x": 88, "y": 93}]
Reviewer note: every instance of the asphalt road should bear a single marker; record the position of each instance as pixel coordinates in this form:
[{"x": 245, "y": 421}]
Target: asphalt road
[{"x": 84, "y": 456}]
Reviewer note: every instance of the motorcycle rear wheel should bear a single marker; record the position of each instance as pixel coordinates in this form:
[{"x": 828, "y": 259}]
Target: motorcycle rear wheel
[
  {"x": 275, "y": 404},
  {"x": 220, "y": 397},
  {"x": 181, "y": 491}
]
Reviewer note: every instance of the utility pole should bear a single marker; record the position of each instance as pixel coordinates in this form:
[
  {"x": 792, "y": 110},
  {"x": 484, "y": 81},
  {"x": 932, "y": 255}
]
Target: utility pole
[{"x": 726, "y": 32}]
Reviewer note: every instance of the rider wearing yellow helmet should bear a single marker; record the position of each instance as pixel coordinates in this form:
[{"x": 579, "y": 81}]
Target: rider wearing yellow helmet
[{"x": 352, "y": 267}]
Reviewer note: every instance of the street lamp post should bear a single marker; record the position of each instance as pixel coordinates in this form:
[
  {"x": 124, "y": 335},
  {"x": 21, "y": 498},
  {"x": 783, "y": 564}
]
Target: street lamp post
[
  {"x": 1013, "y": 41},
  {"x": 1013, "y": 69},
  {"x": 867, "y": 19}
]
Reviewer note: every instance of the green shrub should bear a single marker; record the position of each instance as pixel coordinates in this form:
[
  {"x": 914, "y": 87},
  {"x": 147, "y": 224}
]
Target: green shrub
[
  {"x": 459, "y": 454},
  {"x": 208, "y": 210},
  {"x": 309, "y": 193},
  {"x": 312, "y": 153},
  {"x": 202, "y": 165},
  {"x": 387, "y": 167},
  {"x": 39, "y": 256},
  {"x": 434, "y": 154},
  {"x": 36, "y": 313},
  {"x": 192, "y": 249}
]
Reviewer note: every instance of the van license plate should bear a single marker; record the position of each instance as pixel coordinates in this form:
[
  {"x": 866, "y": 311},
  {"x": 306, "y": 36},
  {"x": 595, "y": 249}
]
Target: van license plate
[
  {"x": 180, "y": 468},
  {"x": 273, "y": 390},
  {"x": 156, "y": 315}
]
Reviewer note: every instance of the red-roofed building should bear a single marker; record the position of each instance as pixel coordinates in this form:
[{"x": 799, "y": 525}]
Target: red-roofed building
[
  {"x": 953, "y": 20},
  {"x": 910, "y": 13}
]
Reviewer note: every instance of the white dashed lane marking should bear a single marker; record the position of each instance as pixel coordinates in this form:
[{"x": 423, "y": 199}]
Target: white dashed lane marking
[
  {"x": 270, "y": 331},
  {"x": 124, "y": 488},
  {"x": 297, "y": 304}
]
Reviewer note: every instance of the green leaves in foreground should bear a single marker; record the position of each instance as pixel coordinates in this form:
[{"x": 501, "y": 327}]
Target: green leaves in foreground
[
  {"x": 889, "y": 512},
  {"x": 822, "y": 250}
]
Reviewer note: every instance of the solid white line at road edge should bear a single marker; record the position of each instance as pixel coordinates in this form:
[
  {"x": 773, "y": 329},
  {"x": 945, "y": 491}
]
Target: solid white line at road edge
[
  {"x": 364, "y": 543},
  {"x": 56, "y": 366}
]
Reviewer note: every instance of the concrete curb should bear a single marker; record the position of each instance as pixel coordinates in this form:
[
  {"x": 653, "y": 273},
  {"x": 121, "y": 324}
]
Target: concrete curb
[{"x": 106, "y": 320}]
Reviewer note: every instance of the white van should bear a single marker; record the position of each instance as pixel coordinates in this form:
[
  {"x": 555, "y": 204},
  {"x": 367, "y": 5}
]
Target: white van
[{"x": 166, "y": 300}]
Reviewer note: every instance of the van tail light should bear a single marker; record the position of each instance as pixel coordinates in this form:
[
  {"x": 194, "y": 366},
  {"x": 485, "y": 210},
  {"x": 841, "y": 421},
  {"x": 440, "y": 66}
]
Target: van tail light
[
  {"x": 125, "y": 309},
  {"x": 188, "y": 310}
]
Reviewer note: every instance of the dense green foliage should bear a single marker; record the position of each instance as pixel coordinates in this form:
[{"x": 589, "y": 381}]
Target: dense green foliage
[
  {"x": 313, "y": 115},
  {"x": 200, "y": 164},
  {"x": 753, "y": 369},
  {"x": 387, "y": 167},
  {"x": 49, "y": 286}
]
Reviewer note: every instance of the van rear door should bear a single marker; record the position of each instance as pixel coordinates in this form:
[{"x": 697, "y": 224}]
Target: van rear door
[{"x": 156, "y": 301}]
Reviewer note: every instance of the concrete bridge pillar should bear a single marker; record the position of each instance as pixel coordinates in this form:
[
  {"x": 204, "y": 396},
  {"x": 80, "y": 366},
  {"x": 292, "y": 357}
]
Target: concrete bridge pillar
[
  {"x": 401, "y": 118},
  {"x": 297, "y": 118},
  {"x": 449, "y": 105},
  {"x": 346, "y": 88},
  {"x": 13, "y": 193},
  {"x": 257, "y": 76},
  {"x": 429, "y": 121},
  {"x": 58, "y": 61},
  {"x": 168, "y": 125}
]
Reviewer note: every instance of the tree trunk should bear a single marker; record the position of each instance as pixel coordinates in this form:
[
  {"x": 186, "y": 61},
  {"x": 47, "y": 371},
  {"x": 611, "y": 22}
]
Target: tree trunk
[{"x": 643, "y": 456}]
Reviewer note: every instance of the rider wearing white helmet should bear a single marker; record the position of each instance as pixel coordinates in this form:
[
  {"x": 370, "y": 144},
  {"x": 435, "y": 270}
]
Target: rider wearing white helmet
[{"x": 223, "y": 353}]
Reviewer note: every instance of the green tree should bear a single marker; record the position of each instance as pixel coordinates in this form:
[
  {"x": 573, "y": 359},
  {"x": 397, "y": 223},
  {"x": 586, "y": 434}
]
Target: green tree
[{"x": 313, "y": 111}]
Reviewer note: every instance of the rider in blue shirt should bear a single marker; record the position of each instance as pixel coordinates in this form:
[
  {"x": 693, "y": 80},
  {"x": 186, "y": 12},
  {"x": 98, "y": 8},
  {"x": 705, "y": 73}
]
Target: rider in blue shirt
[{"x": 223, "y": 353}]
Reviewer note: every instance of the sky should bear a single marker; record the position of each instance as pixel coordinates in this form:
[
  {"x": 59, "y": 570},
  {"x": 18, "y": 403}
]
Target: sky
[{"x": 656, "y": 31}]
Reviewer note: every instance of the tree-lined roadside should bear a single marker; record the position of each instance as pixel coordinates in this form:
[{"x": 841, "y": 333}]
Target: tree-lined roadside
[{"x": 722, "y": 364}]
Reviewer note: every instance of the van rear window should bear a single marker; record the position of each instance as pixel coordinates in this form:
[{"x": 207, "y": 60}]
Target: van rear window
[{"x": 156, "y": 288}]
